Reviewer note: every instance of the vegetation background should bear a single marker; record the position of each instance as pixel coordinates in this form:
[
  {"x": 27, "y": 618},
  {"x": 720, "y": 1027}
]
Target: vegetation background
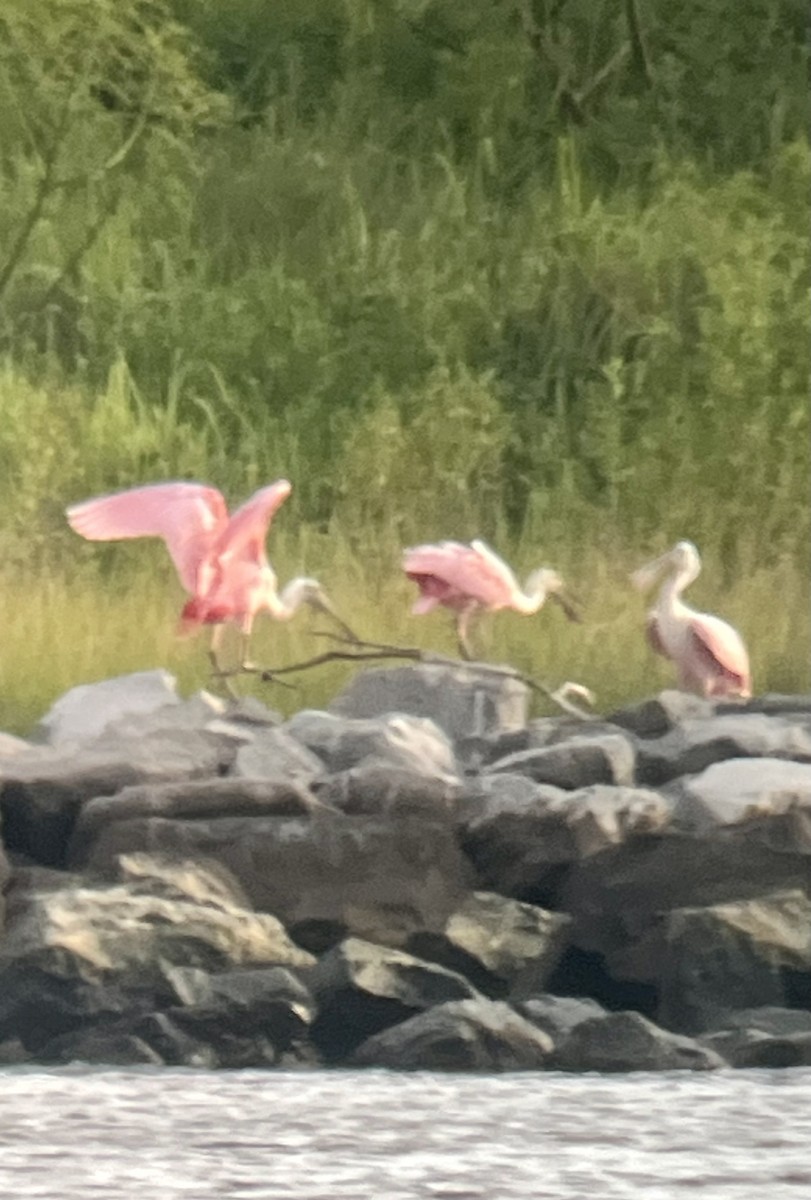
[{"x": 534, "y": 270}]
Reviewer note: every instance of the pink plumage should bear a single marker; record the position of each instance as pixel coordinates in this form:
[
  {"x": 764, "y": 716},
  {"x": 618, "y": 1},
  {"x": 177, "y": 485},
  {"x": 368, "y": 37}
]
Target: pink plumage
[
  {"x": 220, "y": 561},
  {"x": 471, "y": 578}
]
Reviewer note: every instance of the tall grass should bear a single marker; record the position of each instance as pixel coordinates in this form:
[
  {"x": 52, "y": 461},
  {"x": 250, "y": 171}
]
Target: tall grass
[{"x": 438, "y": 315}]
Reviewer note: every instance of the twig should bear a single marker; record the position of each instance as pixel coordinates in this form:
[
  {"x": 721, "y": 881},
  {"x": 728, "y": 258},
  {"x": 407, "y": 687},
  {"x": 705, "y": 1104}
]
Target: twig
[{"x": 361, "y": 651}]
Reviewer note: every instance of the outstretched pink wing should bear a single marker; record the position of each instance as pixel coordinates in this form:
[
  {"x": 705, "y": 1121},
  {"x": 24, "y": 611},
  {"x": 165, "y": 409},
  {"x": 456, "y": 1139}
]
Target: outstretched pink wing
[
  {"x": 188, "y": 516},
  {"x": 472, "y": 571},
  {"x": 244, "y": 535},
  {"x": 720, "y": 650}
]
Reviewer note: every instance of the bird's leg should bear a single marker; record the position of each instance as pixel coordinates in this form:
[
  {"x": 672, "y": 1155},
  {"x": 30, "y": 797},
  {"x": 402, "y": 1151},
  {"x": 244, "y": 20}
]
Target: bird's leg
[
  {"x": 462, "y": 632},
  {"x": 213, "y": 650},
  {"x": 244, "y": 644}
]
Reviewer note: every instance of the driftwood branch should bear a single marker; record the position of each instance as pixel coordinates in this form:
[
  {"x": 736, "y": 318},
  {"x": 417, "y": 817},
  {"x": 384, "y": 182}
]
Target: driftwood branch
[{"x": 361, "y": 651}]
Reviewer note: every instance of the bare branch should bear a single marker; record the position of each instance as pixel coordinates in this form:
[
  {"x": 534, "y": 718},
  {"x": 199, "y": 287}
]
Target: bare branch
[{"x": 360, "y": 651}]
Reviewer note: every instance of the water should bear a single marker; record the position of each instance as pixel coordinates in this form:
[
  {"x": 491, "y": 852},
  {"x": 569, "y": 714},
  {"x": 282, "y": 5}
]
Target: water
[{"x": 251, "y": 1135}]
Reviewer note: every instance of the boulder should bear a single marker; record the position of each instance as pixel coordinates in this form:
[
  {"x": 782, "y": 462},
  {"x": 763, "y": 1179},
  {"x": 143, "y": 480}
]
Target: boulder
[
  {"x": 627, "y": 1041},
  {"x": 361, "y": 988},
  {"x": 110, "y": 1047},
  {"x": 11, "y": 745},
  {"x": 249, "y": 1017},
  {"x": 189, "y": 800},
  {"x": 463, "y": 701},
  {"x": 731, "y": 956},
  {"x": 503, "y": 947},
  {"x": 764, "y": 798},
  {"x": 574, "y": 763},
  {"x": 764, "y": 1037},
  {"x": 324, "y": 873},
  {"x": 414, "y": 743},
  {"x": 83, "y": 955},
  {"x": 381, "y": 789},
  {"x": 660, "y": 714},
  {"x": 697, "y": 744},
  {"x": 463, "y": 1035},
  {"x": 558, "y": 1015},
  {"x": 516, "y": 831},
  {"x": 85, "y": 711},
  {"x": 273, "y": 754},
  {"x": 42, "y": 791}
]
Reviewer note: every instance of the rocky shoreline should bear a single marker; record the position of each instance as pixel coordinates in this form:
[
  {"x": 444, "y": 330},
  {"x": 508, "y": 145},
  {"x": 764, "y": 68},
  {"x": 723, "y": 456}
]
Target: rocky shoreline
[{"x": 419, "y": 877}]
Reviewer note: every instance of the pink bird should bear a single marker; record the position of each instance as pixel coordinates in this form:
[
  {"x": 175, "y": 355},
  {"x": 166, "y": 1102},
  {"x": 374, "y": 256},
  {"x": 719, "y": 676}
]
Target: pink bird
[
  {"x": 221, "y": 561},
  {"x": 709, "y": 654},
  {"x": 469, "y": 579}
]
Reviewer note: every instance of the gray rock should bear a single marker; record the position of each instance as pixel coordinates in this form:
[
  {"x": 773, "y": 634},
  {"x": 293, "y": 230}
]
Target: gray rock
[
  {"x": 501, "y": 946},
  {"x": 190, "y": 800},
  {"x": 771, "y": 703},
  {"x": 382, "y": 789},
  {"x": 730, "y": 956},
  {"x": 771, "y": 1019},
  {"x": 627, "y": 1041},
  {"x": 250, "y": 1017},
  {"x": 463, "y": 1035},
  {"x": 752, "y": 1048},
  {"x": 698, "y": 744},
  {"x": 766, "y": 796},
  {"x": 363, "y": 988},
  {"x": 660, "y": 714},
  {"x": 200, "y": 881},
  {"x": 42, "y": 792},
  {"x": 463, "y": 701},
  {"x": 273, "y": 754},
  {"x": 575, "y": 763},
  {"x": 515, "y": 831},
  {"x": 558, "y": 1015},
  {"x": 324, "y": 874},
  {"x": 83, "y": 712},
  {"x": 110, "y": 1047},
  {"x": 400, "y": 740},
  {"x": 83, "y": 955}
]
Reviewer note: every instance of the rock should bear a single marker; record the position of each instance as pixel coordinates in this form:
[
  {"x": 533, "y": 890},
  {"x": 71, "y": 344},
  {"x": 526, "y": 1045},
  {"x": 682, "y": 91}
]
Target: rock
[
  {"x": 90, "y": 1045},
  {"x": 13, "y": 1053},
  {"x": 41, "y": 792},
  {"x": 247, "y": 1018},
  {"x": 660, "y": 714},
  {"x": 363, "y": 988},
  {"x": 730, "y": 956},
  {"x": 500, "y": 946},
  {"x": 81, "y": 955},
  {"x": 324, "y": 874},
  {"x": 770, "y": 798},
  {"x": 771, "y": 703},
  {"x": 464, "y": 1035},
  {"x": 697, "y": 744},
  {"x": 771, "y": 1019},
  {"x": 273, "y": 754},
  {"x": 516, "y": 831},
  {"x": 764, "y": 1037},
  {"x": 165, "y": 1039},
  {"x": 342, "y": 743},
  {"x": 575, "y": 763},
  {"x": 83, "y": 712},
  {"x": 189, "y": 800},
  {"x": 174, "y": 879},
  {"x": 627, "y": 1041},
  {"x": 378, "y": 789},
  {"x": 558, "y": 1015},
  {"x": 463, "y": 701}
]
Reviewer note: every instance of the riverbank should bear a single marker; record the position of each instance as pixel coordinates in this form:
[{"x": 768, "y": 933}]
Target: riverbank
[{"x": 419, "y": 877}]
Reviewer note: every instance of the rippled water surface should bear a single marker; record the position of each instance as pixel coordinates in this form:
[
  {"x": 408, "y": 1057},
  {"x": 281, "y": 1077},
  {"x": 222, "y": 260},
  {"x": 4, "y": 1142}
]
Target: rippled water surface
[{"x": 377, "y": 1136}]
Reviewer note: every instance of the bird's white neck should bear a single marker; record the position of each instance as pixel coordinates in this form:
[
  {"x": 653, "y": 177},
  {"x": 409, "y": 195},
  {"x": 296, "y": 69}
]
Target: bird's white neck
[
  {"x": 534, "y": 593},
  {"x": 672, "y": 588},
  {"x": 291, "y": 598}
]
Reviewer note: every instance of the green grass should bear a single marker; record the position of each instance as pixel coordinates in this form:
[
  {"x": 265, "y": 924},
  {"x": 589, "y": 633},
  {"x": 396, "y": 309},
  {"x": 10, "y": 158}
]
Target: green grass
[{"x": 67, "y": 628}]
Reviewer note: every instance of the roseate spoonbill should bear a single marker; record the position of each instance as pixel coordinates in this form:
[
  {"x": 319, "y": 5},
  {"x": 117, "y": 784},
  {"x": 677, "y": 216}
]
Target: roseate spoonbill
[
  {"x": 469, "y": 579},
  {"x": 709, "y": 654},
  {"x": 221, "y": 560}
]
